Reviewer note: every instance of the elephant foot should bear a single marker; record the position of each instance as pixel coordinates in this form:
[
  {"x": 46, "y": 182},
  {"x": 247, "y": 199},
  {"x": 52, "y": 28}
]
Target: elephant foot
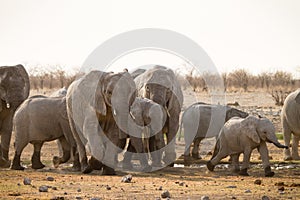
[
  {"x": 188, "y": 160},
  {"x": 17, "y": 167},
  {"x": 108, "y": 171},
  {"x": 86, "y": 169},
  {"x": 37, "y": 166},
  {"x": 236, "y": 170},
  {"x": 95, "y": 164},
  {"x": 147, "y": 168},
  {"x": 295, "y": 157},
  {"x": 127, "y": 165},
  {"x": 244, "y": 172},
  {"x": 196, "y": 156},
  {"x": 56, "y": 161},
  {"x": 4, "y": 163},
  {"x": 268, "y": 172},
  {"x": 210, "y": 166}
]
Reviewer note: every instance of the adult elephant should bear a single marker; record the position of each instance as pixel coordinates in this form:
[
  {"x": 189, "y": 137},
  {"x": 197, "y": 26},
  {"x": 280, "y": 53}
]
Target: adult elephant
[
  {"x": 98, "y": 110},
  {"x": 161, "y": 85},
  {"x": 14, "y": 89},
  {"x": 240, "y": 135},
  {"x": 290, "y": 119},
  {"x": 201, "y": 121}
]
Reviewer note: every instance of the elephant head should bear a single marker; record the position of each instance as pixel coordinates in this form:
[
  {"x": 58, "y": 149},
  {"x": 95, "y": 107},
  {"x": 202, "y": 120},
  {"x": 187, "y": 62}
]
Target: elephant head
[
  {"x": 260, "y": 129},
  {"x": 232, "y": 112},
  {"x": 14, "y": 86}
]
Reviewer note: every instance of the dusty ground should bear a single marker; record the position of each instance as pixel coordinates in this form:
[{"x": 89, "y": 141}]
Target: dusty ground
[{"x": 191, "y": 182}]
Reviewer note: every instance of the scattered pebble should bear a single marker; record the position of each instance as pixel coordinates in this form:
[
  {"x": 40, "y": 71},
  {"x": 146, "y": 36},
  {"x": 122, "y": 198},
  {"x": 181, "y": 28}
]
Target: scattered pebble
[
  {"x": 95, "y": 198},
  {"x": 233, "y": 197},
  {"x": 231, "y": 186},
  {"x": 247, "y": 191},
  {"x": 279, "y": 184},
  {"x": 54, "y": 188},
  {"x": 57, "y": 198},
  {"x": 27, "y": 181},
  {"x": 295, "y": 185},
  {"x": 78, "y": 190},
  {"x": 43, "y": 188},
  {"x": 281, "y": 188},
  {"x": 19, "y": 184},
  {"x": 165, "y": 194},
  {"x": 50, "y": 178},
  {"x": 265, "y": 197},
  {"x": 127, "y": 178},
  {"x": 257, "y": 182},
  {"x": 160, "y": 188},
  {"x": 108, "y": 187},
  {"x": 79, "y": 198},
  {"x": 204, "y": 198}
]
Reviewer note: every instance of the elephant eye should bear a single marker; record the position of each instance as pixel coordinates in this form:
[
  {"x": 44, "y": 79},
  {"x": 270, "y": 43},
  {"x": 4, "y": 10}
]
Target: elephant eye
[{"x": 147, "y": 89}]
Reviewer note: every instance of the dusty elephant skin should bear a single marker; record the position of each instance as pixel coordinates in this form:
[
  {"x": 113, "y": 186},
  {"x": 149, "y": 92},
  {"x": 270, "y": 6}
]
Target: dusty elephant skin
[
  {"x": 14, "y": 89},
  {"x": 161, "y": 85},
  {"x": 147, "y": 115},
  {"x": 240, "y": 135},
  {"x": 290, "y": 116},
  {"x": 204, "y": 121},
  {"x": 98, "y": 110},
  {"x": 38, "y": 120}
]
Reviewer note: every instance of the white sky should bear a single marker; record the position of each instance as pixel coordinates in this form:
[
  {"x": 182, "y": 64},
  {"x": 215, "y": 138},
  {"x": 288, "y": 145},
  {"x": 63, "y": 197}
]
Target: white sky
[{"x": 258, "y": 35}]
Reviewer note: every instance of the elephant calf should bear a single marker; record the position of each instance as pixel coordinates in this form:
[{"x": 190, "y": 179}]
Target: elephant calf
[
  {"x": 201, "y": 121},
  {"x": 240, "y": 135},
  {"x": 38, "y": 120}
]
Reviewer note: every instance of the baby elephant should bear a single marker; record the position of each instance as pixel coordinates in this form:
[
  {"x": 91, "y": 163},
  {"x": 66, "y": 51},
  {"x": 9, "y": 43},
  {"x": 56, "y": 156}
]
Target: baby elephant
[
  {"x": 240, "y": 135},
  {"x": 40, "y": 119}
]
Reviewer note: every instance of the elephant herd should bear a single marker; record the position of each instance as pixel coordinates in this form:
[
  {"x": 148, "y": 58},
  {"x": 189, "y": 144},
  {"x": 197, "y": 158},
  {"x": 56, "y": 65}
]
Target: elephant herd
[{"x": 103, "y": 113}]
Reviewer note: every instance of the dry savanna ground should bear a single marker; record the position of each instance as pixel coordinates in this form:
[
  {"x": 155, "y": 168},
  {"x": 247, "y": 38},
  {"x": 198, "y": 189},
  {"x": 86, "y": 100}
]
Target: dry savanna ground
[{"x": 190, "y": 182}]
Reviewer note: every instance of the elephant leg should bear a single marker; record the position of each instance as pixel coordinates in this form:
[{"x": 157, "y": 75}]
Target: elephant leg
[
  {"x": 65, "y": 146},
  {"x": 128, "y": 156},
  {"x": 287, "y": 138},
  {"x": 137, "y": 144},
  {"x": 76, "y": 163},
  {"x": 295, "y": 154},
  {"x": 155, "y": 150},
  {"x": 216, "y": 159},
  {"x": 264, "y": 153},
  {"x": 235, "y": 162},
  {"x": 6, "y": 131},
  {"x": 36, "y": 157},
  {"x": 95, "y": 164},
  {"x": 110, "y": 157},
  {"x": 195, "y": 151},
  {"x": 19, "y": 146},
  {"x": 170, "y": 153},
  {"x": 246, "y": 162}
]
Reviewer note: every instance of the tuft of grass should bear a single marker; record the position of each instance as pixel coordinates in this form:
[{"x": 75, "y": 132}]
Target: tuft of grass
[{"x": 279, "y": 136}]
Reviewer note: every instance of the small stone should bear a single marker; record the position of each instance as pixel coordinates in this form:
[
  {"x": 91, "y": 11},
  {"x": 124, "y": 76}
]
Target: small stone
[
  {"x": 279, "y": 184},
  {"x": 54, "y": 188},
  {"x": 65, "y": 193},
  {"x": 181, "y": 184},
  {"x": 43, "y": 188},
  {"x": 95, "y": 198},
  {"x": 79, "y": 198},
  {"x": 247, "y": 191},
  {"x": 281, "y": 188},
  {"x": 265, "y": 197},
  {"x": 231, "y": 186},
  {"x": 204, "y": 198},
  {"x": 127, "y": 178},
  {"x": 19, "y": 184},
  {"x": 27, "y": 181},
  {"x": 108, "y": 187},
  {"x": 233, "y": 197},
  {"x": 49, "y": 178},
  {"x": 78, "y": 190},
  {"x": 160, "y": 188},
  {"x": 257, "y": 182},
  {"x": 281, "y": 192},
  {"x": 165, "y": 194}
]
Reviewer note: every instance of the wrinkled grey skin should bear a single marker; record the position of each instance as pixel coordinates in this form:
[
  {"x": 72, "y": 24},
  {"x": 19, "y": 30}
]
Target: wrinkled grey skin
[
  {"x": 240, "y": 135},
  {"x": 98, "y": 110},
  {"x": 198, "y": 123},
  {"x": 290, "y": 119},
  {"x": 38, "y": 120},
  {"x": 161, "y": 85},
  {"x": 62, "y": 92},
  {"x": 148, "y": 117},
  {"x": 14, "y": 89}
]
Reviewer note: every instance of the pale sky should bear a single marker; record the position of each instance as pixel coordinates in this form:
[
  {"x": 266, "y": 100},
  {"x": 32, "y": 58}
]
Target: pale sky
[{"x": 258, "y": 35}]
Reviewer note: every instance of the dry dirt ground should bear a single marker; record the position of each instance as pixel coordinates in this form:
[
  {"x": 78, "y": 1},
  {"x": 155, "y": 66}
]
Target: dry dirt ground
[{"x": 190, "y": 182}]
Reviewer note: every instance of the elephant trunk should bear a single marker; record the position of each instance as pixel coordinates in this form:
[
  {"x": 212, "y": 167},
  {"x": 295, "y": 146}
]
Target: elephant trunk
[{"x": 277, "y": 144}]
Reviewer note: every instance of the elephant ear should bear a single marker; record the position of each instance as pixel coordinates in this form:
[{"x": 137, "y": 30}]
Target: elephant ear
[
  {"x": 90, "y": 88},
  {"x": 176, "y": 98},
  {"x": 248, "y": 127},
  {"x": 21, "y": 70},
  {"x": 297, "y": 98}
]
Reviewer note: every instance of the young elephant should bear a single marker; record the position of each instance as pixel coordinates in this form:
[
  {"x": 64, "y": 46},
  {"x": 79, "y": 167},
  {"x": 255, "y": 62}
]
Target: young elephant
[
  {"x": 240, "y": 135},
  {"x": 38, "y": 120},
  {"x": 201, "y": 121},
  {"x": 145, "y": 114}
]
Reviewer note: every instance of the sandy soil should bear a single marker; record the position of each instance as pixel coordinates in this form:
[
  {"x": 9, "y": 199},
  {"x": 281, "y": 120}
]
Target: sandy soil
[{"x": 190, "y": 182}]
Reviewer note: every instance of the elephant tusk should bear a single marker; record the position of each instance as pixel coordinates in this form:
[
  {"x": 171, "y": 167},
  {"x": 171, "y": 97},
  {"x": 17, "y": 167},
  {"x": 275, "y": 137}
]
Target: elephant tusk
[
  {"x": 167, "y": 111},
  {"x": 7, "y": 105},
  {"x": 132, "y": 115},
  {"x": 114, "y": 112}
]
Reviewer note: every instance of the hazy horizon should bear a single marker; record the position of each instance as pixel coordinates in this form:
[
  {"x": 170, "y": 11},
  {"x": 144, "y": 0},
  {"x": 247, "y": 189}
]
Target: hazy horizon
[{"x": 259, "y": 36}]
